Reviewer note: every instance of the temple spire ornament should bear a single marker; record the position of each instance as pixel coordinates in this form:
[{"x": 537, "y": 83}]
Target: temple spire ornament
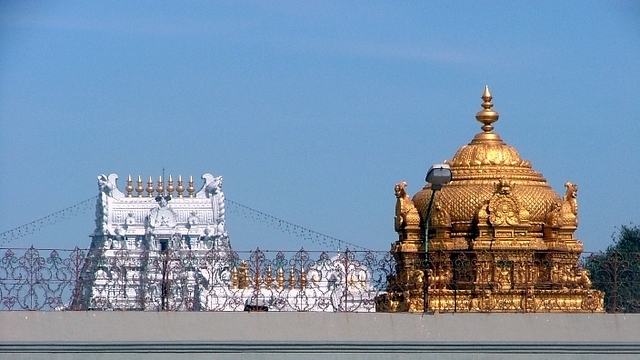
[
  {"x": 150, "y": 187},
  {"x": 190, "y": 188},
  {"x": 129, "y": 187},
  {"x": 170, "y": 187},
  {"x": 180, "y": 188},
  {"x": 487, "y": 116},
  {"x": 160, "y": 187},
  {"x": 139, "y": 187}
]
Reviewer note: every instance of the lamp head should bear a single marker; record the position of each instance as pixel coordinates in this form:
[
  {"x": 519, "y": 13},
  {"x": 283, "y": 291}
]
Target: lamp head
[{"x": 439, "y": 175}]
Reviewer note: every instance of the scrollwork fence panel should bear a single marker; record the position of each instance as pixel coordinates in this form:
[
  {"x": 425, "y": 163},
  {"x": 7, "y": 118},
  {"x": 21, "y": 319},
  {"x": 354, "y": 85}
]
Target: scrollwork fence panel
[
  {"x": 39, "y": 280},
  {"x": 201, "y": 280}
]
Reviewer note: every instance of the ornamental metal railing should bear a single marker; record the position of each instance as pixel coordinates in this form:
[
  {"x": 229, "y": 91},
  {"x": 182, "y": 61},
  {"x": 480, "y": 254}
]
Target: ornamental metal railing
[
  {"x": 185, "y": 280},
  {"x": 349, "y": 281}
]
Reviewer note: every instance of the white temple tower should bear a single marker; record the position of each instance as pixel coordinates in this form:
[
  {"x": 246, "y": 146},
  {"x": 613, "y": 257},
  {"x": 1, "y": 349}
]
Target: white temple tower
[
  {"x": 160, "y": 218},
  {"x": 165, "y": 247},
  {"x": 149, "y": 241}
]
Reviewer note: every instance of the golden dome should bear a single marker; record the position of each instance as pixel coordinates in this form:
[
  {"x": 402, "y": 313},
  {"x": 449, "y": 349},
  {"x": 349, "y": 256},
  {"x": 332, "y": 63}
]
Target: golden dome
[
  {"x": 478, "y": 167},
  {"x": 500, "y": 227}
]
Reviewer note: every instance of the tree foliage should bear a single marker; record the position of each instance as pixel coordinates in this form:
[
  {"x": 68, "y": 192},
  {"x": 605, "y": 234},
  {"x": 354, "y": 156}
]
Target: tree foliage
[{"x": 616, "y": 271}]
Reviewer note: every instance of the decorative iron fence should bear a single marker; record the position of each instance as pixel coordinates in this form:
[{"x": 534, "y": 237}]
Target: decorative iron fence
[
  {"x": 31, "y": 281},
  {"x": 186, "y": 280},
  {"x": 81, "y": 279},
  {"x": 617, "y": 273}
]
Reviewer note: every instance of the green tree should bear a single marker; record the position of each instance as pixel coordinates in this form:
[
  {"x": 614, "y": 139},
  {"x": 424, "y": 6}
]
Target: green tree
[{"x": 616, "y": 271}]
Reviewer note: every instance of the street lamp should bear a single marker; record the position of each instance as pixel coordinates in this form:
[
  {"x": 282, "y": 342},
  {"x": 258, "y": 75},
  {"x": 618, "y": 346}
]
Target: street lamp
[{"x": 438, "y": 175}]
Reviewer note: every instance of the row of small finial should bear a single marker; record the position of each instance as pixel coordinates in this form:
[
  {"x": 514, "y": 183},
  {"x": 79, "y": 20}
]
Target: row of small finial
[
  {"x": 160, "y": 188},
  {"x": 240, "y": 278}
]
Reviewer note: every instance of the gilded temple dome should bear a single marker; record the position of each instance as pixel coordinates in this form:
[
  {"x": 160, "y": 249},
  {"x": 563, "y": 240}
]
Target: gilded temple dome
[
  {"x": 498, "y": 238},
  {"x": 477, "y": 169}
]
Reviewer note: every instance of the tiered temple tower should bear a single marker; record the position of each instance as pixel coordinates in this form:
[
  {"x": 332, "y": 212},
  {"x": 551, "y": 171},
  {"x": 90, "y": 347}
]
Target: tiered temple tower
[
  {"x": 500, "y": 238},
  {"x": 160, "y": 216},
  {"x": 142, "y": 235},
  {"x": 164, "y": 246}
]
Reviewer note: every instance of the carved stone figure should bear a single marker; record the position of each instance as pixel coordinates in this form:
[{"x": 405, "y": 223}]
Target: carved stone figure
[
  {"x": 213, "y": 190},
  {"x": 505, "y": 209},
  {"x": 406, "y": 212},
  {"x": 565, "y": 214},
  {"x": 192, "y": 219},
  {"x": 483, "y": 272},
  {"x": 440, "y": 280},
  {"x": 440, "y": 216},
  {"x": 568, "y": 277},
  {"x": 207, "y": 240},
  {"x": 162, "y": 216},
  {"x": 130, "y": 220},
  {"x": 482, "y": 215},
  {"x": 107, "y": 185},
  {"x": 583, "y": 279},
  {"x": 569, "y": 208},
  {"x": 503, "y": 212},
  {"x": 554, "y": 216},
  {"x": 212, "y": 185},
  {"x": 504, "y": 277},
  {"x": 520, "y": 273},
  {"x": 571, "y": 196}
]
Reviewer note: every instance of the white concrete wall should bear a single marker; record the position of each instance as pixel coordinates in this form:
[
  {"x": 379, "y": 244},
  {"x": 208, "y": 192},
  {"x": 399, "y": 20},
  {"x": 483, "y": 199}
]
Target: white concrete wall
[{"x": 195, "y": 335}]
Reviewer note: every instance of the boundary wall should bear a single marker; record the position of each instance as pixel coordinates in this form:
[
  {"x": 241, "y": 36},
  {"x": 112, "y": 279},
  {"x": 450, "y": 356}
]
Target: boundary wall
[{"x": 227, "y": 335}]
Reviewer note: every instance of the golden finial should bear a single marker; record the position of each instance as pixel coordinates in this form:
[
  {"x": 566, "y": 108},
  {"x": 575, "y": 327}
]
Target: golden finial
[
  {"x": 292, "y": 277},
  {"x": 487, "y": 115},
  {"x": 190, "y": 188},
  {"x": 303, "y": 279},
  {"x": 160, "y": 188},
  {"x": 170, "y": 186},
  {"x": 244, "y": 275},
  {"x": 234, "y": 278},
  {"x": 129, "y": 187},
  {"x": 139, "y": 187},
  {"x": 268, "y": 279},
  {"x": 280, "y": 279},
  {"x": 150, "y": 187},
  {"x": 180, "y": 188}
]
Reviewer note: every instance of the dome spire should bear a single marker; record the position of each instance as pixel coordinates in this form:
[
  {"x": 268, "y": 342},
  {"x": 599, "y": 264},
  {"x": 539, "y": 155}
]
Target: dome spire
[{"x": 487, "y": 116}]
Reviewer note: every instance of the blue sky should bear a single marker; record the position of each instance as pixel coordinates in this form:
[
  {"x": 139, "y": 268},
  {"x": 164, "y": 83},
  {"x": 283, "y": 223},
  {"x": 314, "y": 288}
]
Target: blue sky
[{"x": 312, "y": 111}]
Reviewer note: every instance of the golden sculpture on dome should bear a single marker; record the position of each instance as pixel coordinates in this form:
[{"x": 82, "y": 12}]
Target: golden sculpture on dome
[{"x": 500, "y": 238}]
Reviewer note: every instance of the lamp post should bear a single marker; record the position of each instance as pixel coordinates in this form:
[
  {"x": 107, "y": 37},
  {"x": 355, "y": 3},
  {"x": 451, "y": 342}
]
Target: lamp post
[{"x": 438, "y": 175}]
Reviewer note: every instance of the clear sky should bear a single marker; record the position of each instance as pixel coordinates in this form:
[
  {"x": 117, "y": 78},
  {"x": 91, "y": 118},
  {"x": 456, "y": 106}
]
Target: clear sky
[{"x": 312, "y": 111}]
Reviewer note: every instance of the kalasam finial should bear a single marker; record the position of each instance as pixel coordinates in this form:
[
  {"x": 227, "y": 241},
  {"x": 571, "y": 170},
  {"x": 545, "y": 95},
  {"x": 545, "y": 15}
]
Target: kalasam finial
[
  {"x": 139, "y": 187},
  {"x": 170, "y": 187},
  {"x": 129, "y": 187},
  {"x": 180, "y": 188},
  {"x": 160, "y": 187},
  {"x": 150, "y": 187},
  {"x": 487, "y": 115}
]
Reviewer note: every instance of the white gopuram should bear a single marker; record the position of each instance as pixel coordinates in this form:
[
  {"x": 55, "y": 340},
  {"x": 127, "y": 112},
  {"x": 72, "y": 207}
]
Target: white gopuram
[
  {"x": 139, "y": 235},
  {"x": 157, "y": 219},
  {"x": 165, "y": 247}
]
